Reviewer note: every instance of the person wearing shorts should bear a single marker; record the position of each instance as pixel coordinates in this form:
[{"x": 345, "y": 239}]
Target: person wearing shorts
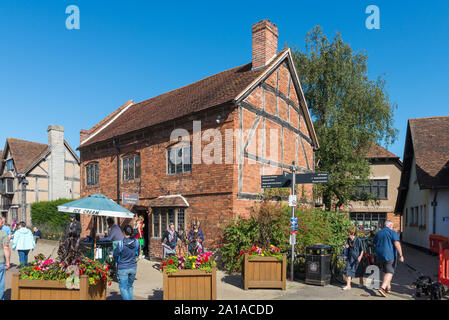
[{"x": 387, "y": 246}]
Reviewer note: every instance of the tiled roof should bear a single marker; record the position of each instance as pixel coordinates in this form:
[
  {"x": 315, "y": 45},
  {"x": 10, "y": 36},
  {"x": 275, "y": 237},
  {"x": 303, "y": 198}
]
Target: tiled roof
[
  {"x": 206, "y": 93},
  {"x": 377, "y": 151},
  {"x": 430, "y": 139},
  {"x": 169, "y": 201},
  {"x": 25, "y": 153}
]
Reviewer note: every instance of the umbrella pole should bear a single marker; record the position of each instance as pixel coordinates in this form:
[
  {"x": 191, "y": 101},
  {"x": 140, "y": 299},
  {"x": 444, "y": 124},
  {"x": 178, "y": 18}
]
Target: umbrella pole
[{"x": 95, "y": 235}]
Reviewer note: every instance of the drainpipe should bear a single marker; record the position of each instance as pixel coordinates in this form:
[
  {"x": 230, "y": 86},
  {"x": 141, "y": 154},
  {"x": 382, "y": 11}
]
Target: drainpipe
[
  {"x": 114, "y": 143},
  {"x": 434, "y": 205}
]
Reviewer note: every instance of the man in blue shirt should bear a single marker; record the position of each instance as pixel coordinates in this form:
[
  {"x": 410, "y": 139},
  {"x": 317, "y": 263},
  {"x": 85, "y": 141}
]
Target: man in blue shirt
[
  {"x": 115, "y": 233},
  {"x": 388, "y": 247}
]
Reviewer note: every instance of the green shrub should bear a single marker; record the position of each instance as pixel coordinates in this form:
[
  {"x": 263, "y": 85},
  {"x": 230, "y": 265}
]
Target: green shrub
[
  {"x": 46, "y": 215},
  {"x": 269, "y": 223}
]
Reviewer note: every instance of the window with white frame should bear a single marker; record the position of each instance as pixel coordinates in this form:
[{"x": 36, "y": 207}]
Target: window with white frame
[
  {"x": 179, "y": 160},
  {"x": 131, "y": 168},
  {"x": 162, "y": 217}
]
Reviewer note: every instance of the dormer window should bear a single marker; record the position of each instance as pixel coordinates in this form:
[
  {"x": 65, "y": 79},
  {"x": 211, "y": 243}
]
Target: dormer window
[{"x": 9, "y": 165}]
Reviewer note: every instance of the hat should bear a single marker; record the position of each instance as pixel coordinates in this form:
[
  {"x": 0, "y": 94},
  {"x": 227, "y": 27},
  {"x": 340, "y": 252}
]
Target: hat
[{"x": 73, "y": 215}]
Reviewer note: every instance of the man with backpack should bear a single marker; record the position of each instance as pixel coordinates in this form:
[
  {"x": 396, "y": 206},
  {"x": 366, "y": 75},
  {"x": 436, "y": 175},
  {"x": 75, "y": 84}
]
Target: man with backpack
[{"x": 125, "y": 254}]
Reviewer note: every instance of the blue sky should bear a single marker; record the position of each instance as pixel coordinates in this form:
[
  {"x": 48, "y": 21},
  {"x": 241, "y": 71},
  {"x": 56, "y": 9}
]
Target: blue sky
[{"x": 139, "y": 49}]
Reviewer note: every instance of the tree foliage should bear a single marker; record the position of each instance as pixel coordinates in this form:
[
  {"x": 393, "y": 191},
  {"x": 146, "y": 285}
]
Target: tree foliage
[{"x": 349, "y": 112}]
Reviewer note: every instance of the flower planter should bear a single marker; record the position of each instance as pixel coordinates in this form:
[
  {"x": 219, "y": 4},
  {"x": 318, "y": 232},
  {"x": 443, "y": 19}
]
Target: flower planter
[
  {"x": 264, "y": 272},
  {"x": 190, "y": 285},
  {"x": 55, "y": 290}
]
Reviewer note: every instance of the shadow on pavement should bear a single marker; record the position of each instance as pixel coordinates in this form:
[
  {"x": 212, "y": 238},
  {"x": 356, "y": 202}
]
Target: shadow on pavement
[
  {"x": 157, "y": 295},
  {"x": 234, "y": 280}
]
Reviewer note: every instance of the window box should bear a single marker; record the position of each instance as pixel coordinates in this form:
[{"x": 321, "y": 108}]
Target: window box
[
  {"x": 55, "y": 290},
  {"x": 264, "y": 272}
]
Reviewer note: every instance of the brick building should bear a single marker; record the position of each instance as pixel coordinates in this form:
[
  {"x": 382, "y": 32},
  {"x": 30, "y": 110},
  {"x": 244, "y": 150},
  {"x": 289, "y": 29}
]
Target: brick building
[{"x": 231, "y": 128}]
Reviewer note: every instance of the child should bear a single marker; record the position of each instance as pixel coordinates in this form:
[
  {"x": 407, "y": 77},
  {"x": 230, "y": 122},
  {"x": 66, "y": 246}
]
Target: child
[{"x": 354, "y": 250}]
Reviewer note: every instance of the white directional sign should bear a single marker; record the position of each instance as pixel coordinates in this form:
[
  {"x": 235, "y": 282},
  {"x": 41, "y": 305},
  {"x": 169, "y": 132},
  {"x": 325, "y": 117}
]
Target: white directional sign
[{"x": 292, "y": 200}]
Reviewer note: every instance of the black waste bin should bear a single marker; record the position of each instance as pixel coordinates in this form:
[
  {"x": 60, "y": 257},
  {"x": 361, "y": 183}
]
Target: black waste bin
[{"x": 318, "y": 264}]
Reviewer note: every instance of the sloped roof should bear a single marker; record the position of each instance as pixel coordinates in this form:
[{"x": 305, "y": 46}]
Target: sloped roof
[
  {"x": 214, "y": 90},
  {"x": 25, "y": 153},
  {"x": 430, "y": 139},
  {"x": 427, "y": 141},
  {"x": 169, "y": 201},
  {"x": 377, "y": 151}
]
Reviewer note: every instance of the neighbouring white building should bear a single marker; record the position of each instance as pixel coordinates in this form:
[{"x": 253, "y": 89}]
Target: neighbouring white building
[{"x": 423, "y": 197}]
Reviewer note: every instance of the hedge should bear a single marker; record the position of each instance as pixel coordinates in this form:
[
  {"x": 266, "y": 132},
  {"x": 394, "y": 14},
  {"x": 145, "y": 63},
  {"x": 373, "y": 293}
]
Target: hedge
[{"x": 45, "y": 213}]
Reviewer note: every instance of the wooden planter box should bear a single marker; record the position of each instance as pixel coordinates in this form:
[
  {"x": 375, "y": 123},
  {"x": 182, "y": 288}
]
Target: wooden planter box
[
  {"x": 190, "y": 285},
  {"x": 264, "y": 272},
  {"x": 55, "y": 290}
]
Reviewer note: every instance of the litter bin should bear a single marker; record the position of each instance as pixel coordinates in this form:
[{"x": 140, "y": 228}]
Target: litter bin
[{"x": 318, "y": 264}]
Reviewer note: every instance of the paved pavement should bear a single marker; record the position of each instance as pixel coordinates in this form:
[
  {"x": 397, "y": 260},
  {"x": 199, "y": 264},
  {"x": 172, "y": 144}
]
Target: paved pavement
[{"x": 148, "y": 284}]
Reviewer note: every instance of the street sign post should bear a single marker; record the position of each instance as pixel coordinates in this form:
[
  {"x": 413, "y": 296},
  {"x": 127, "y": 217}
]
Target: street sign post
[{"x": 285, "y": 180}]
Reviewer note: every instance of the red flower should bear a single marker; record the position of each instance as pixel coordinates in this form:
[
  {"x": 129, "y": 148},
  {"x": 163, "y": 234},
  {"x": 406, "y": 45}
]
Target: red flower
[
  {"x": 170, "y": 262},
  {"x": 206, "y": 259},
  {"x": 250, "y": 253}
]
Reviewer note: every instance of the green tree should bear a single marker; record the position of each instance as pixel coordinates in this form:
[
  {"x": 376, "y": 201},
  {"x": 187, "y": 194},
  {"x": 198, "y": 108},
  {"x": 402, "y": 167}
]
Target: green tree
[{"x": 349, "y": 112}]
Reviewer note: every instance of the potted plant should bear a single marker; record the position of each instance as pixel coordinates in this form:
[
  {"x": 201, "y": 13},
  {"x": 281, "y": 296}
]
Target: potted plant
[
  {"x": 69, "y": 277},
  {"x": 263, "y": 268},
  {"x": 189, "y": 277}
]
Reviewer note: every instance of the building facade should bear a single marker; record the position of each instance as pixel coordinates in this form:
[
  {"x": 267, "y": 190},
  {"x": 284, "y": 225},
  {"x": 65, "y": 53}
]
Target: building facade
[
  {"x": 385, "y": 168},
  {"x": 423, "y": 199},
  {"x": 32, "y": 172},
  {"x": 198, "y": 152}
]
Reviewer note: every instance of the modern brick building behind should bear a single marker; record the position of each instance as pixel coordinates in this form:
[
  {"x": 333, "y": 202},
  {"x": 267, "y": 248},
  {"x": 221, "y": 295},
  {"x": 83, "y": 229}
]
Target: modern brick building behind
[{"x": 129, "y": 150}]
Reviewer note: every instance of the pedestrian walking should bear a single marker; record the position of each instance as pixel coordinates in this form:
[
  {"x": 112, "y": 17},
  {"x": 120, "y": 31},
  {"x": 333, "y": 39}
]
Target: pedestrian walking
[
  {"x": 5, "y": 228},
  {"x": 5, "y": 255},
  {"x": 387, "y": 246},
  {"x": 125, "y": 254},
  {"x": 354, "y": 250},
  {"x": 169, "y": 241},
  {"x": 23, "y": 242}
]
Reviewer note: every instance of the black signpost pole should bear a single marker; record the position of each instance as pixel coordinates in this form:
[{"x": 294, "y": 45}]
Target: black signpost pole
[{"x": 293, "y": 216}]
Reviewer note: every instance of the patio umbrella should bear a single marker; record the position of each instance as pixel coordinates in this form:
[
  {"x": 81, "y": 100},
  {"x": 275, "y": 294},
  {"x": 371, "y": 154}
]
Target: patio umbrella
[{"x": 96, "y": 205}]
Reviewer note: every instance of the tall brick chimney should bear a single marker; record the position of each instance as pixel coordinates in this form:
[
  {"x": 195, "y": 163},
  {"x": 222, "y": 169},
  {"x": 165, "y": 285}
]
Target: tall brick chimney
[
  {"x": 56, "y": 168},
  {"x": 265, "y": 42}
]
